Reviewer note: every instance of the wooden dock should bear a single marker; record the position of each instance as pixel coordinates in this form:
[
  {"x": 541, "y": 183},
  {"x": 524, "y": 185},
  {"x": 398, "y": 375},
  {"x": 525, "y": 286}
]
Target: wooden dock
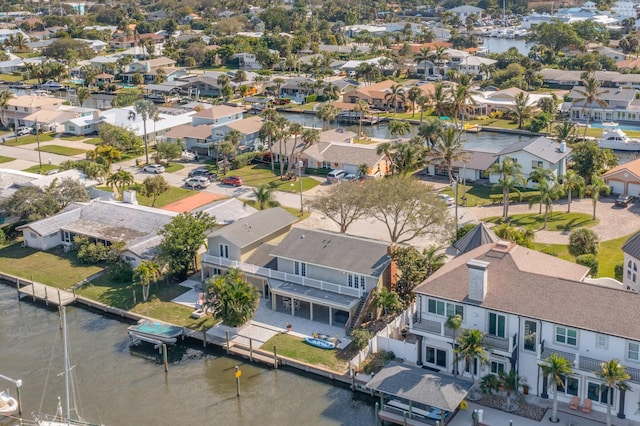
[{"x": 45, "y": 293}]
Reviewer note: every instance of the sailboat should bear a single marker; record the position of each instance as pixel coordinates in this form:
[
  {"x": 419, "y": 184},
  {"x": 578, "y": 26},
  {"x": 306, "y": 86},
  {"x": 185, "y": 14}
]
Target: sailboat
[{"x": 62, "y": 418}]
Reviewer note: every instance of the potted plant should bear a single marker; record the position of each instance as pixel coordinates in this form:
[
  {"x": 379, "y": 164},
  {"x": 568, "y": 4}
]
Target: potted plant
[
  {"x": 525, "y": 386},
  {"x": 289, "y": 326}
]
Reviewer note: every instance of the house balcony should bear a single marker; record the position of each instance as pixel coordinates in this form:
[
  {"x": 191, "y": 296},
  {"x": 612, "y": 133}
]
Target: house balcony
[
  {"x": 259, "y": 271},
  {"x": 569, "y": 356},
  {"x": 592, "y": 364},
  {"x": 501, "y": 344},
  {"x": 428, "y": 326}
]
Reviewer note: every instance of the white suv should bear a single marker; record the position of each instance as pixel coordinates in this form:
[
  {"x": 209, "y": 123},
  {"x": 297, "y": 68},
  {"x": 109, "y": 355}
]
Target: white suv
[
  {"x": 21, "y": 131},
  {"x": 336, "y": 176}
]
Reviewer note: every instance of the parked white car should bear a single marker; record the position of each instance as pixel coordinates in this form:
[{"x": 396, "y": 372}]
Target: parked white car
[{"x": 153, "y": 168}]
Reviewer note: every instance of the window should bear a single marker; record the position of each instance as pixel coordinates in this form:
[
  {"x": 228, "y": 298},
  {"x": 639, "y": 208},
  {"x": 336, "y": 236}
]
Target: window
[
  {"x": 530, "y": 333},
  {"x": 436, "y": 356},
  {"x": 633, "y": 350},
  {"x": 497, "y": 367},
  {"x": 567, "y": 336},
  {"x": 596, "y": 392},
  {"x": 356, "y": 281},
  {"x": 536, "y": 164},
  {"x": 570, "y": 385},
  {"x": 129, "y": 259},
  {"x": 216, "y": 271},
  {"x": 445, "y": 309},
  {"x": 72, "y": 128},
  {"x": 33, "y": 235},
  {"x": 497, "y": 325},
  {"x": 601, "y": 341},
  {"x": 66, "y": 237},
  {"x": 224, "y": 250},
  {"x": 300, "y": 268}
]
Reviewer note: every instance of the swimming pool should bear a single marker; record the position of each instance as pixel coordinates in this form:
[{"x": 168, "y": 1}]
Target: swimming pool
[
  {"x": 621, "y": 126},
  {"x": 75, "y": 81}
]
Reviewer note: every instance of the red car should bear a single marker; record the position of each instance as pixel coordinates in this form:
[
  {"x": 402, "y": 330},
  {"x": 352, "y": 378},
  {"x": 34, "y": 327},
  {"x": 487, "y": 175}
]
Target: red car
[{"x": 232, "y": 180}]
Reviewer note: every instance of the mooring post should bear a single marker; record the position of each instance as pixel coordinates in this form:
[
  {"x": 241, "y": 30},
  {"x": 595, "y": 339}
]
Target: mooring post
[
  {"x": 238, "y": 374},
  {"x": 60, "y": 316},
  {"x": 18, "y": 384},
  {"x": 204, "y": 338},
  {"x": 250, "y": 349},
  {"x": 59, "y": 298},
  {"x": 46, "y": 297},
  {"x": 33, "y": 290},
  {"x": 377, "y": 410},
  {"x": 164, "y": 356},
  {"x": 275, "y": 358},
  {"x": 227, "y": 333},
  {"x": 18, "y": 287}
]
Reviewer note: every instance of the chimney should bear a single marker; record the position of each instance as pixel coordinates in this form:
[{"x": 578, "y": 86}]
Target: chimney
[
  {"x": 129, "y": 196},
  {"x": 393, "y": 268},
  {"x": 563, "y": 146},
  {"x": 477, "y": 279}
]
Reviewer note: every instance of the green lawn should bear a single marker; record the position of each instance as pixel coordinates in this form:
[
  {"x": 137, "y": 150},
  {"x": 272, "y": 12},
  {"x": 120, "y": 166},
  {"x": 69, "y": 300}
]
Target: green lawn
[
  {"x": 29, "y": 139},
  {"x": 53, "y": 268},
  {"x": 174, "y": 194},
  {"x": 556, "y": 221},
  {"x": 296, "y": 348},
  {"x": 173, "y": 167},
  {"x": 61, "y": 150},
  {"x": 94, "y": 141},
  {"x": 4, "y": 159},
  {"x": 158, "y": 306},
  {"x": 255, "y": 175},
  {"x": 71, "y": 138},
  {"x": 478, "y": 195},
  {"x": 10, "y": 78},
  {"x": 45, "y": 168},
  {"x": 609, "y": 254}
]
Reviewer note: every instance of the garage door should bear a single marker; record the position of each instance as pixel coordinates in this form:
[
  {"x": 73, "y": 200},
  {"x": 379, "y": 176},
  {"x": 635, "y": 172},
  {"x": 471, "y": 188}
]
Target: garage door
[
  {"x": 633, "y": 189},
  {"x": 617, "y": 187},
  {"x": 350, "y": 168}
]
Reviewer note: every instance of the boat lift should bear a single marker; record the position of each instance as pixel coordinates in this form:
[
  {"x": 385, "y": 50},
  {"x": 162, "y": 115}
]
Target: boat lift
[{"x": 18, "y": 384}]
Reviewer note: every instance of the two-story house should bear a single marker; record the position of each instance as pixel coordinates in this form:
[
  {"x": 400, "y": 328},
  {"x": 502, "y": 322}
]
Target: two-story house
[
  {"x": 620, "y": 104},
  {"x": 541, "y": 152},
  {"x": 531, "y": 305},
  {"x": 306, "y": 273},
  {"x": 630, "y": 275},
  {"x": 19, "y": 107}
]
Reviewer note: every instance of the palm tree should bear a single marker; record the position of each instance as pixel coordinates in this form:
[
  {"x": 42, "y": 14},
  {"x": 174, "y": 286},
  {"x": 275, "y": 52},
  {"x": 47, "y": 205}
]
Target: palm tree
[
  {"x": 232, "y": 298},
  {"x": 449, "y": 148},
  {"x": 278, "y": 82},
  {"x": 147, "y": 272},
  {"x": 282, "y": 134},
  {"x": 541, "y": 176},
  {"x": 414, "y": 94},
  {"x": 423, "y": 56},
  {"x": 387, "y": 300},
  {"x": 573, "y": 181},
  {"x": 234, "y": 137},
  {"x": 5, "y": 96},
  {"x": 549, "y": 192},
  {"x": 470, "y": 348},
  {"x": 510, "y": 177},
  {"x": 83, "y": 94},
  {"x": 521, "y": 108},
  {"x": 591, "y": 94},
  {"x": 396, "y": 94},
  {"x": 565, "y": 132},
  {"x": 511, "y": 383},
  {"x": 441, "y": 56},
  {"x": 295, "y": 129},
  {"x": 104, "y": 154},
  {"x": 440, "y": 98},
  {"x": 264, "y": 194},
  {"x": 146, "y": 109},
  {"x": 399, "y": 128},
  {"x": 309, "y": 137},
  {"x": 597, "y": 187},
  {"x": 454, "y": 322},
  {"x": 430, "y": 130},
  {"x": 331, "y": 92},
  {"x": 269, "y": 131},
  {"x": 362, "y": 108},
  {"x": 461, "y": 99},
  {"x": 386, "y": 148},
  {"x": 327, "y": 113},
  {"x": 614, "y": 375},
  {"x": 225, "y": 149},
  {"x": 557, "y": 368},
  {"x": 119, "y": 180}
]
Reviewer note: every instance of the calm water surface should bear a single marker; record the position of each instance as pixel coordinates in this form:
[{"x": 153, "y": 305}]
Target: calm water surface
[{"x": 119, "y": 385}]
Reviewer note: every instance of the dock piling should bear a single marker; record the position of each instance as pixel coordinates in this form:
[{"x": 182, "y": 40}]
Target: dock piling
[
  {"x": 275, "y": 358},
  {"x": 227, "y": 333},
  {"x": 164, "y": 356},
  {"x": 250, "y": 349}
]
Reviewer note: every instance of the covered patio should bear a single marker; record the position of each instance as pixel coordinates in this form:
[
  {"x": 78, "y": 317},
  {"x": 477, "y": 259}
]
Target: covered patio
[
  {"x": 312, "y": 303},
  {"x": 410, "y": 394}
]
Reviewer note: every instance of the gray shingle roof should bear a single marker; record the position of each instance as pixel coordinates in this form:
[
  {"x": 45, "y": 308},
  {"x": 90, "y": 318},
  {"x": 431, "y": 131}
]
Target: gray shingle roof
[
  {"x": 632, "y": 246},
  {"x": 477, "y": 237},
  {"x": 531, "y": 284},
  {"x": 420, "y": 385},
  {"x": 255, "y": 227},
  {"x": 227, "y": 211},
  {"x": 336, "y": 251},
  {"x": 542, "y": 147}
]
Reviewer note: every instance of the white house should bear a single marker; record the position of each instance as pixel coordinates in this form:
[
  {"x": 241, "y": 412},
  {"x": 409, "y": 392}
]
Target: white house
[
  {"x": 620, "y": 104},
  {"x": 531, "y": 305},
  {"x": 631, "y": 250},
  {"x": 537, "y": 153},
  {"x": 464, "y": 11}
]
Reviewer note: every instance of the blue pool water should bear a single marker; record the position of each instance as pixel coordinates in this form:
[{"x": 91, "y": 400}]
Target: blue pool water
[
  {"x": 621, "y": 126},
  {"x": 76, "y": 81}
]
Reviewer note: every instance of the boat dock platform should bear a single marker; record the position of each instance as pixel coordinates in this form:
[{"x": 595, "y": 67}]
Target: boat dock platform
[
  {"x": 39, "y": 291},
  {"x": 354, "y": 118}
]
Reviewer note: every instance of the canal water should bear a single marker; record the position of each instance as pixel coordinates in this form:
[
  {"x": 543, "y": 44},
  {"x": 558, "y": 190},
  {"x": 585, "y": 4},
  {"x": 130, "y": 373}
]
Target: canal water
[{"x": 121, "y": 385}]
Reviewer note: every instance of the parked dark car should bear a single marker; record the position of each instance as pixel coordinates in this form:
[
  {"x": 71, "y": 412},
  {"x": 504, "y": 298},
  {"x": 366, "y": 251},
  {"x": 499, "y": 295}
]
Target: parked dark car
[
  {"x": 204, "y": 172},
  {"x": 232, "y": 180},
  {"x": 624, "y": 200}
]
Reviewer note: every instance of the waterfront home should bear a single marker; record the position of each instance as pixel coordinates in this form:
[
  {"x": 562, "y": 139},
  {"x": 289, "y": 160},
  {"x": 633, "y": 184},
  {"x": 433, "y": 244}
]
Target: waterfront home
[
  {"x": 19, "y": 107},
  {"x": 152, "y": 68},
  {"x": 218, "y": 115},
  {"x": 528, "y": 313},
  {"x": 167, "y": 91},
  {"x": 624, "y": 178},
  {"x": 105, "y": 222},
  {"x": 620, "y": 104},
  {"x": 249, "y": 128},
  {"x": 196, "y": 139},
  {"x": 630, "y": 275},
  {"x": 473, "y": 168},
  {"x": 464, "y": 11},
  {"x": 541, "y": 152},
  {"x": 490, "y": 101},
  {"x": 374, "y": 95}
]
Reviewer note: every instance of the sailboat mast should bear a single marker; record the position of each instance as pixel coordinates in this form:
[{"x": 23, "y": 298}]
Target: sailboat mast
[{"x": 66, "y": 363}]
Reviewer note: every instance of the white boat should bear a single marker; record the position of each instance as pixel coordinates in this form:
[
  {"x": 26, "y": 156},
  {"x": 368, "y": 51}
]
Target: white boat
[
  {"x": 614, "y": 138},
  {"x": 61, "y": 418},
  {"x": 8, "y": 404}
]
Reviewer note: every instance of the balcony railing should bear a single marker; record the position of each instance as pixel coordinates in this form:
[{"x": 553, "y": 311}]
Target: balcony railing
[
  {"x": 595, "y": 365},
  {"x": 496, "y": 343},
  {"x": 429, "y": 326},
  {"x": 546, "y": 352},
  {"x": 281, "y": 276}
]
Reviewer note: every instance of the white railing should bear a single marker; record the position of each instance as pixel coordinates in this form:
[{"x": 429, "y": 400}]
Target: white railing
[{"x": 282, "y": 276}]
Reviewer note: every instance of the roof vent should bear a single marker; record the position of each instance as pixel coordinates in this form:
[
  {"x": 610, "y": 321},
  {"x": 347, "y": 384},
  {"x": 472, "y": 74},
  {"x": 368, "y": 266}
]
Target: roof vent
[{"x": 502, "y": 246}]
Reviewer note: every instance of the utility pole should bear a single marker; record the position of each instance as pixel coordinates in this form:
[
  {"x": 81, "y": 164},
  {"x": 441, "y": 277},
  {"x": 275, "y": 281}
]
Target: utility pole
[
  {"x": 38, "y": 142},
  {"x": 300, "y": 164},
  {"x": 455, "y": 185}
]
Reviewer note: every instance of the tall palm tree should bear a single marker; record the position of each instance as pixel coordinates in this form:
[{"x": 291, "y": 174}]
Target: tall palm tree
[
  {"x": 549, "y": 192},
  {"x": 591, "y": 94},
  {"x": 282, "y": 134},
  {"x": 399, "y": 128},
  {"x": 470, "y": 348},
  {"x": 331, "y": 92},
  {"x": 147, "y": 272},
  {"x": 264, "y": 194},
  {"x": 449, "y": 147},
  {"x": 614, "y": 375},
  {"x": 278, "y": 81},
  {"x": 146, "y": 109},
  {"x": 362, "y": 108},
  {"x": 597, "y": 187},
  {"x": 556, "y": 368},
  {"x": 413, "y": 95},
  {"x": 234, "y": 137},
  {"x": 5, "y": 96},
  {"x": 565, "y": 132},
  {"x": 441, "y": 56},
  {"x": 225, "y": 149},
  {"x": 327, "y": 113},
  {"x": 395, "y": 95},
  {"x": 454, "y": 322},
  {"x": 119, "y": 180},
  {"x": 268, "y": 132},
  {"x": 423, "y": 56},
  {"x": 83, "y": 94},
  {"x": 309, "y": 137},
  {"x": 296, "y": 130},
  {"x": 440, "y": 98},
  {"x": 510, "y": 178},
  {"x": 573, "y": 182},
  {"x": 521, "y": 108},
  {"x": 541, "y": 176},
  {"x": 430, "y": 130}
]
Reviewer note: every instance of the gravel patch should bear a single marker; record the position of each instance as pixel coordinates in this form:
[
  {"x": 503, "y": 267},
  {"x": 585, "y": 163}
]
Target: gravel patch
[{"x": 523, "y": 409}]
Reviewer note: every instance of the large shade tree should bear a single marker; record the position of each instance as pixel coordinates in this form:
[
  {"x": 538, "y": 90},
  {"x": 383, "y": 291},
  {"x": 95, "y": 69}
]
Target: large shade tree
[{"x": 342, "y": 204}]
